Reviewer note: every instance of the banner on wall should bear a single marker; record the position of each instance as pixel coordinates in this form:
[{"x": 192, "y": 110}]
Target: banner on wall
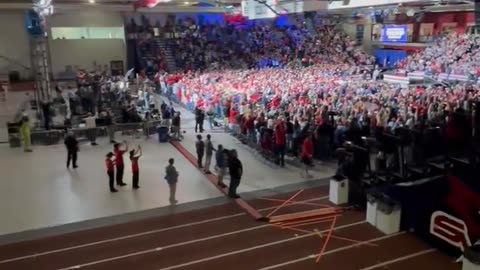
[{"x": 394, "y": 33}]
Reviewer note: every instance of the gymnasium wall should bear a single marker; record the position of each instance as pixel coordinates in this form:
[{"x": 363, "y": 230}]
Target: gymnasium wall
[
  {"x": 14, "y": 44},
  {"x": 91, "y": 51}
]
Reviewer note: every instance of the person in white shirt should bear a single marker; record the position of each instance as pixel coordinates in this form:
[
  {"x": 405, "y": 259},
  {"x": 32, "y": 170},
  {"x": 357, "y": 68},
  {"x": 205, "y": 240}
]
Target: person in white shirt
[{"x": 91, "y": 126}]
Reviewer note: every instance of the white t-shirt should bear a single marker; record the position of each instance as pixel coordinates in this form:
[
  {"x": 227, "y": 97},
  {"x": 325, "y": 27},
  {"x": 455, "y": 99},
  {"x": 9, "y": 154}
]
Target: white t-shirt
[{"x": 90, "y": 122}]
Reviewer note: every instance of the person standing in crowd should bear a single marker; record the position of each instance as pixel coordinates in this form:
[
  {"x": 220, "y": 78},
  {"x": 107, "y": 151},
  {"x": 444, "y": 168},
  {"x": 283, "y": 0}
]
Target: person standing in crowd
[
  {"x": 109, "y": 122},
  {"x": 46, "y": 112},
  {"x": 280, "y": 144},
  {"x": 200, "y": 147},
  {"x": 71, "y": 144},
  {"x": 221, "y": 165},
  {"x": 323, "y": 134},
  {"x": 176, "y": 126},
  {"x": 208, "y": 154},
  {"x": 171, "y": 175},
  {"x": 307, "y": 154},
  {"x": 199, "y": 118},
  {"x": 110, "y": 172},
  {"x": 236, "y": 171},
  {"x": 211, "y": 117},
  {"x": 91, "y": 126},
  {"x": 119, "y": 161},
  {"x": 289, "y": 134},
  {"x": 134, "y": 156},
  {"x": 25, "y": 132},
  {"x": 146, "y": 124}
]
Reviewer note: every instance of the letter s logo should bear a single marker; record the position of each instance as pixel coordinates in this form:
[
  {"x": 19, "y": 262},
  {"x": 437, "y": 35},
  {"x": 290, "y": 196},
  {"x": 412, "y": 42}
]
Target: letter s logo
[{"x": 450, "y": 229}]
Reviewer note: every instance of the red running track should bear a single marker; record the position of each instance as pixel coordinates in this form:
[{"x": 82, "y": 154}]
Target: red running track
[{"x": 224, "y": 237}]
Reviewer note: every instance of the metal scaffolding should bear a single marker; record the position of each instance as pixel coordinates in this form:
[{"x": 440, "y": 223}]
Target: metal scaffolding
[{"x": 40, "y": 56}]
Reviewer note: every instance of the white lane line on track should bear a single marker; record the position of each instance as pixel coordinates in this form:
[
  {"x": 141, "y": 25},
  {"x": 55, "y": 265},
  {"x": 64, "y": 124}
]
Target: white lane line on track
[
  {"x": 313, "y": 256},
  {"x": 399, "y": 259},
  {"x": 143, "y": 233},
  {"x": 258, "y": 247},
  {"x": 128, "y": 255}
]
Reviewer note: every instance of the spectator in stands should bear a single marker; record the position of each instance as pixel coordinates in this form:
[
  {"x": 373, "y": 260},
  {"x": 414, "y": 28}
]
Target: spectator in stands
[
  {"x": 71, "y": 144},
  {"x": 171, "y": 176},
  {"x": 280, "y": 143}
]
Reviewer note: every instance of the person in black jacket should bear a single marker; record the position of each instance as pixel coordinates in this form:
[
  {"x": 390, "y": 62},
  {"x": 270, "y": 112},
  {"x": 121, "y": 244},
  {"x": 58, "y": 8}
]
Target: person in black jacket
[
  {"x": 199, "y": 118},
  {"x": 236, "y": 170},
  {"x": 71, "y": 144}
]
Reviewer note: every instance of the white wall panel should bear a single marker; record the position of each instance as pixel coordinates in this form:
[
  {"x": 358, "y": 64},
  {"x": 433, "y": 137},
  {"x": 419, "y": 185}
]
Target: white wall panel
[{"x": 84, "y": 53}]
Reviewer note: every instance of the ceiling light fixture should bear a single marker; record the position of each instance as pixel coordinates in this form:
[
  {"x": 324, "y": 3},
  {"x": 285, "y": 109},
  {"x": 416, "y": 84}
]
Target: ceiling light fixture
[{"x": 91, "y": 1}]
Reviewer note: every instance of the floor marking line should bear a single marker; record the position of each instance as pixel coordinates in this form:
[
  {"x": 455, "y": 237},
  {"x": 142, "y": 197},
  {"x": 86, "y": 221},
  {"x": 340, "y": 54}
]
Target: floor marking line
[
  {"x": 314, "y": 256},
  {"x": 139, "y": 234},
  {"x": 399, "y": 259},
  {"x": 284, "y": 227},
  {"x": 255, "y": 247},
  {"x": 305, "y": 203},
  {"x": 327, "y": 239},
  {"x": 286, "y": 202},
  {"x": 164, "y": 247}
]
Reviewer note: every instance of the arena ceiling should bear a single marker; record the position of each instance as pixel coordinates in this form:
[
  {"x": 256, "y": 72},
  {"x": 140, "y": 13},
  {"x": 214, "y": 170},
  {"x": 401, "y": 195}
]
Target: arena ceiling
[{"x": 216, "y": 6}]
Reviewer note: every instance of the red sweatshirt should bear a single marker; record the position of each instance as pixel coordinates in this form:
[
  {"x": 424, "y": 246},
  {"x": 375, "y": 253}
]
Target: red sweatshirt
[{"x": 307, "y": 148}]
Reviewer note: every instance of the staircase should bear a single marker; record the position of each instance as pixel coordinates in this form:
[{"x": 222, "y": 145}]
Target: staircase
[{"x": 166, "y": 49}]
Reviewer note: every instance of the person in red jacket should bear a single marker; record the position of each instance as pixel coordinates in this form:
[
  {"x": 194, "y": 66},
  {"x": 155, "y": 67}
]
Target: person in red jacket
[
  {"x": 110, "y": 172},
  {"x": 134, "y": 156},
  {"x": 118, "y": 152},
  {"x": 307, "y": 153},
  {"x": 280, "y": 141}
]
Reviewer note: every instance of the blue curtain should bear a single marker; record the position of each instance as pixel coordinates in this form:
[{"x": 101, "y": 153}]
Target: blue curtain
[{"x": 389, "y": 57}]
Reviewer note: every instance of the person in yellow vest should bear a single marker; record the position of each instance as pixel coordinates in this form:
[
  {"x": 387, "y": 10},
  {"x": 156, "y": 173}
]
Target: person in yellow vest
[{"x": 25, "y": 132}]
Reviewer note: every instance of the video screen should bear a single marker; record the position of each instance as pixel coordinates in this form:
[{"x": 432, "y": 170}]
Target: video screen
[{"x": 394, "y": 33}]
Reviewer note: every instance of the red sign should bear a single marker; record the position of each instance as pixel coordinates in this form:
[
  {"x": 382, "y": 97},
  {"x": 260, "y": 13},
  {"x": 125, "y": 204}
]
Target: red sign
[{"x": 450, "y": 229}]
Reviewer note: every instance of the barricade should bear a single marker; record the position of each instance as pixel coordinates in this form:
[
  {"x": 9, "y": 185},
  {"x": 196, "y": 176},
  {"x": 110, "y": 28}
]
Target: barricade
[
  {"x": 390, "y": 78},
  {"x": 452, "y": 77},
  {"x": 416, "y": 75},
  {"x": 46, "y": 137}
]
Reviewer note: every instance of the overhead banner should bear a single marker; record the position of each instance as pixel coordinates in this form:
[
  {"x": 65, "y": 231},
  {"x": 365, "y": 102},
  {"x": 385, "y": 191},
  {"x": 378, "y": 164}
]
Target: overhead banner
[{"x": 263, "y": 9}]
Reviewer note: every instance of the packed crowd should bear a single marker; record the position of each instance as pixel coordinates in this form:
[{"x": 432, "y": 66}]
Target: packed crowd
[
  {"x": 333, "y": 100},
  {"x": 457, "y": 54},
  {"x": 263, "y": 45}
]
